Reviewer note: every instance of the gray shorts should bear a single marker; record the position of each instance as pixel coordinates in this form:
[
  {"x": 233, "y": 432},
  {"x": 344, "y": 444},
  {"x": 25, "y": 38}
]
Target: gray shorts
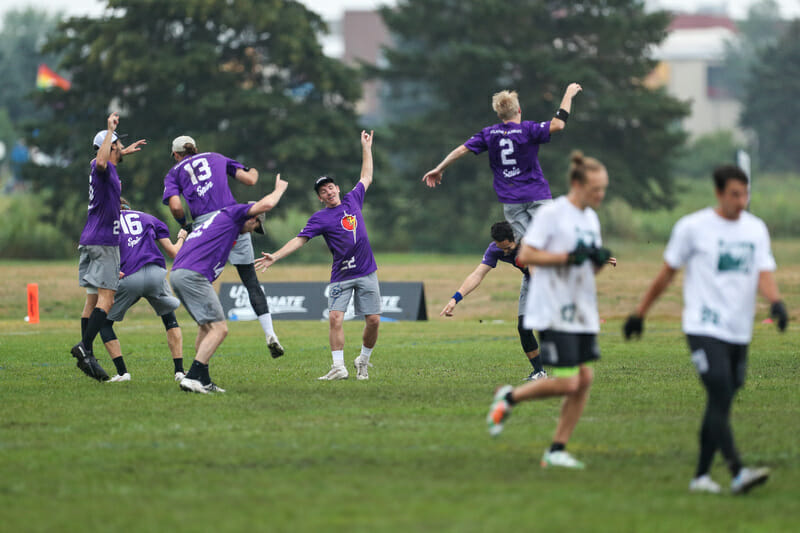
[
  {"x": 242, "y": 251},
  {"x": 149, "y": 282},
  {"x": 99, "y": 266},
  {"x": 367, "y": 295},
  {"x": 521, "y": 215},
  {"x": 523, "y": 295},
  {"x": 197, "y": 296}
]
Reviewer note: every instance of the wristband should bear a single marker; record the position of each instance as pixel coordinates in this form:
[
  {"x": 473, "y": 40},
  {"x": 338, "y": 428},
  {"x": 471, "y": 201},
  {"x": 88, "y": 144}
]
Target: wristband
[
  {"x": 562, "y": 114},
  {"x": 457, "y": 297}
]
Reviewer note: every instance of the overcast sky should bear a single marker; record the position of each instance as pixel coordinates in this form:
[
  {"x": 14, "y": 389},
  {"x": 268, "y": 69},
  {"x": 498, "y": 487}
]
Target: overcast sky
[{"x": 332, "y": 9}]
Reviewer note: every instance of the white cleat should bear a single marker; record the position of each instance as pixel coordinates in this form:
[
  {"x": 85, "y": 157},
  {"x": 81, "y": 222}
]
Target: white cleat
[
  {"x": 212, "y": 387},
  {"x": 749, "y": 478},
  {"x": 179, "y": 376},
  {"x": 704, "y": 483},
  {"x": 335, "y": 373},
  {"x": 192, "y": 385},
  {"x": 362, "y": 368},
  {"x": 118, "y": 378},
  {"x": 499, "y": 411},
  {"x": 274, "y": 345},
  {"x": 560, "y": 458},
  {"x": 536, "y": 376}
]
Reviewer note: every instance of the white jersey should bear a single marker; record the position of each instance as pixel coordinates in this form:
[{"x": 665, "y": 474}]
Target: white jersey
[
  {"x": 723, "y": 260},
  {"x": 563, "y": 298}
]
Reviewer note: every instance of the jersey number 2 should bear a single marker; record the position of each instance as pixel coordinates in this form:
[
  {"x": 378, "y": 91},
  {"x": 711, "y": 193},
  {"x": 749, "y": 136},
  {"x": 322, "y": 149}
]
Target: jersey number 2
[{"x": 507, "y": 146}]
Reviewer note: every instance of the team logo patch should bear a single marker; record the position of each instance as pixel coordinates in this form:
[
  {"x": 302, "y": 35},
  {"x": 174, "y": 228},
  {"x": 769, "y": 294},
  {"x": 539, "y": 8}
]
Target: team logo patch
[{"x": 349, "y": 222}]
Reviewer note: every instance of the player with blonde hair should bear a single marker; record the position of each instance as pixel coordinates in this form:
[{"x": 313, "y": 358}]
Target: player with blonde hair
[{"x": 513, "y": 147}]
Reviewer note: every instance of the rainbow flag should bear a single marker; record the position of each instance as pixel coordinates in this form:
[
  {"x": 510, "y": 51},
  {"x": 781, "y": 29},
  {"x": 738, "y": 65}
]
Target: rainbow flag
[{"x": 46, "y": 78}]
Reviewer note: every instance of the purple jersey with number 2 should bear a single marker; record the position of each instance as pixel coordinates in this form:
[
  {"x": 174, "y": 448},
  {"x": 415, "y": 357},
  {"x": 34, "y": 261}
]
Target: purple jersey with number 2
[
  {"x": 346, "y": 235},
  {"x": 513, "y": 155},
  {"x": 137, "y": 243},
  {"x": 208, "y": 246},
  {"x": 102, "y": 222},
  {"x": 202, "y": 179}
]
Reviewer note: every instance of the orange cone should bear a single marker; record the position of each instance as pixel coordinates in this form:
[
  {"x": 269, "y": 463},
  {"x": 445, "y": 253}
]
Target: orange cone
[{"x": 33, "y": 303}]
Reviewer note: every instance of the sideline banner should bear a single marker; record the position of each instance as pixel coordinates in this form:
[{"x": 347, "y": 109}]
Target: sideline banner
[{"x": 309, "y": 301}]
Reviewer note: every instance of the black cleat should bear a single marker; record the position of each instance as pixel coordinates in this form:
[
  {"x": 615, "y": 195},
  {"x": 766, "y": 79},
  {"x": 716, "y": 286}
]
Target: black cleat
[{"x": 87, "y": 363}]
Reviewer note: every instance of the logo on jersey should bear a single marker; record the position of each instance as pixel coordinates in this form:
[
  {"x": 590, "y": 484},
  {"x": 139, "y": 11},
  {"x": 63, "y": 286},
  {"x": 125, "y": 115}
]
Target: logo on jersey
[
  {"x": 349, "y": 223},
  {"x": 736, "y": 257}
]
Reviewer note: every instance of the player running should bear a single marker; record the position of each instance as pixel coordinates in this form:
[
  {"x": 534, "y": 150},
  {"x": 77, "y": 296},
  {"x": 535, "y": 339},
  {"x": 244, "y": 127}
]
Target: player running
[
  {"x": 98, "y": 269},
  {"x": 143, "y": 274},
  {"x": 564, "y": 243},
  {"x": 202, "y": 179},
  {"x": 503, "y": 248},
  {"x": 727, "y": 255},
  {"x": 200, "y": 261},
  {"x": 353, "y": 274},
  {"x": 513, "y": 147}
]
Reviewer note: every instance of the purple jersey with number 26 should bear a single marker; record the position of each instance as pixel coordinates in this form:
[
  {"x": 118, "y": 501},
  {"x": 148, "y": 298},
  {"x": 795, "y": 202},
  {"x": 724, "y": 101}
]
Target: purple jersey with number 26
[
  {"x": 202, "y": 179},
  {"x": 514, "y": 157}
]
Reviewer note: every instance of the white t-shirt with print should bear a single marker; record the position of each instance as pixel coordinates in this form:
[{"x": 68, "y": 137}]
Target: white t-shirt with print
[
  {"x": 723, "y": 260},
  {"x": 563, "y": 297}
]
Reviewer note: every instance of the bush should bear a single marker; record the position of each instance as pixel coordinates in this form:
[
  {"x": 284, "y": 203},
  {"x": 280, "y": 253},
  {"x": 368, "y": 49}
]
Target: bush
[
  {"x": 27, "y": 232},
  {"x": 699, "y": 158}
]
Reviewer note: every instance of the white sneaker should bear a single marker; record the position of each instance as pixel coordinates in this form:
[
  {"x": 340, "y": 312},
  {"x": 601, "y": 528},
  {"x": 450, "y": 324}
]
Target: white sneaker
[
  {"x": 118, "y": 378},
  {"x": 192, "y": 385},
  {"x": 212, "y": 387},
  {"x": 535, "y": 376},
  {"x": 274, "y": 345},
  {"x": 179, "y": 376},
  {"x": 362, "y": 368},
  {"x": 560, "y": 458},
  {"x": 335, "y": 373},
  {"x": 749, "y": 478},
  {"x": 704, "y": 483}
]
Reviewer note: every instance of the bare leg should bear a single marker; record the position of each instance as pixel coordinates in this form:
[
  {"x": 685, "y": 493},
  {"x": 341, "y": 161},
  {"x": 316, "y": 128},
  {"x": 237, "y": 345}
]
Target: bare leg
[
  {"x": 573, "y": 405},
  {"x": 336, "y": 334},
  {"x": 114, "y": 349},
  {"x": 370, "y": 337},
  {"x": 215, "y": 333},
  {"x": 546, "y": 388},
  {"x": 175, "y": 342}
]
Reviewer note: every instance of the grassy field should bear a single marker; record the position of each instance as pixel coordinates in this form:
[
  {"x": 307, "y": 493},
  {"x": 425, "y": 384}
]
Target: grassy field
[{"x": 405, "y": 451}]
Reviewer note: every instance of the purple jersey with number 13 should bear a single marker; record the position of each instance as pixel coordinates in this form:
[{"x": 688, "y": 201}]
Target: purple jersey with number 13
[
  {"x": 102, "y": 222},
  {"x": 513, "y": 155},
  {"x": 346, "y": 235},
  {"x": 202, "y": 179},
  {"x": 137, "y": 244}
]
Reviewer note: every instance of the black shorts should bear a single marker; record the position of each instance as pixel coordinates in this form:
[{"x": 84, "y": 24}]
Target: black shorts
[
  {"x": 717, "y": 360},
  {"x": 561, "y": 349}
]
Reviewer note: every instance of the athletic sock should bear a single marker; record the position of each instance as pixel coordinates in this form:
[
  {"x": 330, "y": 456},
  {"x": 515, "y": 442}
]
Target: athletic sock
[
  {"x": 178, "y": 362},
  {"x": 205, "y": 377},
  {"x": 365, "y": 353},
  {"x": 338, "y": 357},
  {"x": 266, "y": 324},
  {"x": 84, "y": 323},
  {"x": 537, "y": 363},
  {"x": 96, "y": 321},
  {"x": 119, "y": 362},
  {"x": 557, "y": 447},
  {"x": 195, "y": 370},
  {"x": 509, "y": 399}
]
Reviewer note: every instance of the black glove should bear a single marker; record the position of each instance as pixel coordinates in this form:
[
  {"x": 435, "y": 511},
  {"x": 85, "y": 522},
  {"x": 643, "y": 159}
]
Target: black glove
[
  {"x": 633, "y": 326},
  {"x": 779, "y": 314},
  {"x": 187, "y": 227},
  {"x": 580, "y": 254},
  {"x": 599, "y": 256}
]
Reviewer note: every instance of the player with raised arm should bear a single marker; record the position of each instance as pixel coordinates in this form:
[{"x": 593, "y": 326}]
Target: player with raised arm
[
  {"x": 98, "y": 269},
  {"x": 727, "y": 255},
  {"x": 200, "y": 261},
  {"x": 143, "y": 274},
  {"x": 513, "y": 147},
  {"x": 505, "y": 249},
  {"x": 354, "y": 271},
  {"x": 565, "y": 245},
  {"x": 202, "y": 179}
]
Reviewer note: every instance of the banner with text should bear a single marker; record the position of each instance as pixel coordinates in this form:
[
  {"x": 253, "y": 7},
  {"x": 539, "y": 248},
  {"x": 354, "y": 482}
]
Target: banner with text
[{"x": 309, "y": 301}]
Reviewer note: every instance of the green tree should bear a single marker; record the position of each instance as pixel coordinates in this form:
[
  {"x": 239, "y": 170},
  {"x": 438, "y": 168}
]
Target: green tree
[
  {"x": 770, "y": 106},
  {"x": 451, "y": 56},
  {"x": 246, "y": 78}
]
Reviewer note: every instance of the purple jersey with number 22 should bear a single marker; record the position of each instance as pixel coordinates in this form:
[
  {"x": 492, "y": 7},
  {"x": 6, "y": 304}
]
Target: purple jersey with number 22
[
  {"x": 102, "y": 222},
  {"x": 513, "y": 155}
]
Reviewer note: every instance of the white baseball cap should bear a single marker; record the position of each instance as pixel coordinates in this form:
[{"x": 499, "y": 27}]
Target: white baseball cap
[
  {"x": 179, "y": 142},
  {"x": 101, "y": 136}
]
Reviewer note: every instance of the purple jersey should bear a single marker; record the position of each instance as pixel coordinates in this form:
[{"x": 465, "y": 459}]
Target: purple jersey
[
  {"x": 203, "y": 181},
  {"x": 346, "y": 235},
  {"x": 494, "y": 253},
  {"x": 513, "y": 155},
  {"x": 102, "y": 223},
  {"x": 208, "y": 246},
  {"x": 137, "y": 244}
]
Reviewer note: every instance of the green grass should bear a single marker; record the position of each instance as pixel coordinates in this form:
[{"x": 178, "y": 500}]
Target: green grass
[{"x": 405, "y": 451}]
